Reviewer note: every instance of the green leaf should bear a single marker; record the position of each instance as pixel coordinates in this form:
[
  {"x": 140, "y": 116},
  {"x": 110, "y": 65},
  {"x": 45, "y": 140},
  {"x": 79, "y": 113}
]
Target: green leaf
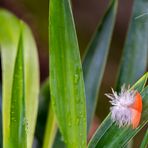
[
  {"x": 144, "y": 143},
  {"x": 132, "y": 65},
  {"x": 51, "y": 129},
  {"x": 66, "y": 78},
  {"x": 17, "y": 137},
  {"x": 110, "y": 135},
  {"x": 46, "y": 136},
  {"x": 95, "y": 59},
  {"x": 98, "y": 49},
  {"x": 100, "y": 46},
  {"x": 135, "y": 53},
  {"x": 1, "y": 136},
  {"x": 32, "y": 82},
  {"x": 20, "y": 74},
  {"x": 44, "y": 101}
]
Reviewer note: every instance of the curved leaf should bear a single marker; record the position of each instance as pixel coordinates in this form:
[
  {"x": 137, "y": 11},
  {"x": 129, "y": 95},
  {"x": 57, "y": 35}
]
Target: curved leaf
[
  {"x": 95, "y": 59},
  {"x": 17, "y": 137},
  {"x": 20, "y": 86},
  {"x": 66, "y": 79},
  {"x": 51, "y": 129},
  {"x": 135, "y": 54},
  {"x": 44, "y": 101},
  {"x": 110, "y": 135},
  {"x": 98, "y": 49}
]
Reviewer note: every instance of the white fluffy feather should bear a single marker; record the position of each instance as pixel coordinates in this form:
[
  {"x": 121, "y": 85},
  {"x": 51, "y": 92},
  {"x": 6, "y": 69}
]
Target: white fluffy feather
[{"x": 120, "y": 110}]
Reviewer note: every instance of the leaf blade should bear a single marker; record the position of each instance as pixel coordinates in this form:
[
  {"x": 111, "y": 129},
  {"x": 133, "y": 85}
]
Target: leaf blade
[
  {"x": 66, "y": 80},
  {"x": 9, "y": 38},
  {"x": 96, "y": 46},
  {"x": 17, "y": 111},
  {"x": 109, "y": 138},
  {"x": 96, "y": 57},
  {"x": 135, "y": 53},
  {"x": 145, "y": 140}
]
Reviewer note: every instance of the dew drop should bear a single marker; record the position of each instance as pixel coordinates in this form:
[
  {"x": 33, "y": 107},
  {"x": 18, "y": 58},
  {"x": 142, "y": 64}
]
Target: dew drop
[
  {"x": 80, "y": 134},
  {"x": 25, "y": 122},
  {"x": 76, "y": 78},
  {"x": 83, "y": 142},
  {"x": 77, "y": 121},
  {"x": 84, "y": 119},
  {"x": 62, "y": 138},
  {"x": 69, "y": 123},
  {"x": 80, "y": 113}
]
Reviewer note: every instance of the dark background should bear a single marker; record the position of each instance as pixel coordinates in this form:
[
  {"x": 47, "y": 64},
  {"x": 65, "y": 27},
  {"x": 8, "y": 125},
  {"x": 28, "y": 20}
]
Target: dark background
[{"x": 87, "y": 14}]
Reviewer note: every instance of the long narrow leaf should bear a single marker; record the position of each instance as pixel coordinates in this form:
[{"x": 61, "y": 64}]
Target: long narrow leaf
[
  {"x": 31, "y": 72},
  {"x": 1, "y": 137},
  {"x": 45, "y": 136},
  {"x": 51, "y": 129},
  {"x": 135, "y": 53},
  {"x": 44, "y": 106},
  {"x": 66, "y": 79},
  {"x": 144, "y": 143},
  {"x": 136, "y": 46},
  {"x": 95, "y": 59},
  {"x": 17, "y": 110},
  {"x": 20, "y": 81},
  {"x": 110, "y": 135},
  {"x": 98, "y": 49}
]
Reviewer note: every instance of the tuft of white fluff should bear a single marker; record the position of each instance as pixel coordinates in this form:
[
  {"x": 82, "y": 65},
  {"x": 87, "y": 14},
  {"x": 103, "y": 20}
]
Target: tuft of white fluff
[{"x": 120, "y": 109}]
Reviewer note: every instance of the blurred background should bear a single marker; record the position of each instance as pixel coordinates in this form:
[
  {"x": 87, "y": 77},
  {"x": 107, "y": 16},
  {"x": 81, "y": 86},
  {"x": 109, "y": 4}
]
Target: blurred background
[{"x": 87, "y": 14}]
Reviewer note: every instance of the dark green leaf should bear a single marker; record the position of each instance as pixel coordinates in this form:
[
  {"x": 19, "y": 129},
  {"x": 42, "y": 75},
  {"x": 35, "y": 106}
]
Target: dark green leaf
[
  {"x": 44, "y": 101},
  {"x": 95, "y": 59},
  {"x": 135, "y": 53},
  {"x": 144, "y": 143}
]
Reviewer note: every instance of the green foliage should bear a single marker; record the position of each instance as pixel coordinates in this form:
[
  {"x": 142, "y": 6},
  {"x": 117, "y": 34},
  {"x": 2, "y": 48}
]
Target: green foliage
[
  {"x": 144, "y": 143},
  {"x": 98, "y": 49},
  {"x": 132, "y": 66},
  {"x": 69, "y": 109},
  {"x": 95, "y": 59},
  {"x": 135, "y": 53},
  {"x": 20, "y": 82},
  {"x": 66, "y": 79},
  {"x": 17, "y": 107},
  {"x": 110, "y": 135}
]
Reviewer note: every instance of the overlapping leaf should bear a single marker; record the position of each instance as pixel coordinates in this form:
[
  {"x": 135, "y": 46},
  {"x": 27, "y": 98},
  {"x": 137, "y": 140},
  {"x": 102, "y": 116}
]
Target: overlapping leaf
[
  {"x": 95, "y": 59},
  {"x": 109, "y": 134},
  {"x": 135, "y": 47},
  {"x": 20, "y": 81}
]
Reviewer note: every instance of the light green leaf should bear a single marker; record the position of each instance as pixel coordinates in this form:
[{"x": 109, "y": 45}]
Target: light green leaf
[
  {"x": 110, "y": 135},
  {"x": 17, "y": 137},
  {"x": 66, "y": 79},
  {"x": 1, "y": 137},
  {"x": 47, "y": 118},
  {"x": 31, "y": 72},
  {"x": 20, "y": 74},
  {"x": 51, "y": 129},
  {"x": 95, "y": 59}
]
